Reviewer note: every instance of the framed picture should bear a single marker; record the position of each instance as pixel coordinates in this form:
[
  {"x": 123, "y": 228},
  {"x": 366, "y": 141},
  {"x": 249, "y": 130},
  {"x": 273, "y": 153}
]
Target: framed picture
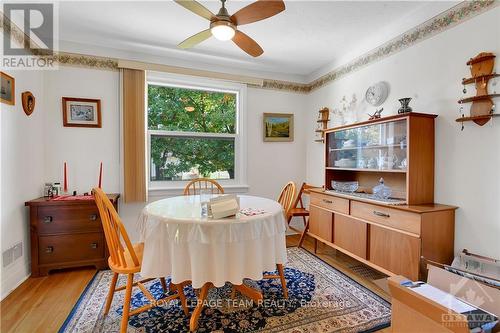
[
  {"x": 81, "y": 112},
  {"x": 278, "y": 127},
  {"x": 7, "y": 89}
]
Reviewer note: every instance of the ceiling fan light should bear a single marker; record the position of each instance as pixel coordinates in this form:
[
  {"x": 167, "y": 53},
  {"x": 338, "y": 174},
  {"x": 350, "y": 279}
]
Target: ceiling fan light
[{"x": 223, "y": 30}]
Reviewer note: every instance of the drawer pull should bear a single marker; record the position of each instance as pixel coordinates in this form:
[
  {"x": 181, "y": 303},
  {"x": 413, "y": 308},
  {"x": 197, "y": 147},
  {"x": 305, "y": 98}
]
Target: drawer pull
[
  {"x": 381, "y": 214},
  {"x": 47, "y": 219},
  {"x": 93, "y": 217},
  {"x": 93, "y": 245},
  {"x": 327, "y": 201},
  {"x": 49, "y": 249}
]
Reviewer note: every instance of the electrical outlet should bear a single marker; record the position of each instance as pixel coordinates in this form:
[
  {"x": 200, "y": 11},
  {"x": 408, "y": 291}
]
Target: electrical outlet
[
  {"x": 17, "y": 250},
  {"x": 7, "y": 257}
]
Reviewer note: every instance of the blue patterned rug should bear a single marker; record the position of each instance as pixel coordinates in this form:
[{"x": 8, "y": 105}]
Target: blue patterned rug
[{"x": 321, "y": 299}]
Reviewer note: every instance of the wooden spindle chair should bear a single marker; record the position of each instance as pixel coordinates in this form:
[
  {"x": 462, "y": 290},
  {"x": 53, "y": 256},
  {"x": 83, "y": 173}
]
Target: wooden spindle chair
[
  {"x": 126, "y": 258},
  {"x": 286, "y": 200},
  {"x": 198, "y": 184}
]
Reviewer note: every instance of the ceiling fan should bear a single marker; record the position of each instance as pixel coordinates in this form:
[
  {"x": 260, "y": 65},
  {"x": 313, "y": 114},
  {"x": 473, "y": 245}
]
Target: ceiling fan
[{"x": 225, "y": 27}]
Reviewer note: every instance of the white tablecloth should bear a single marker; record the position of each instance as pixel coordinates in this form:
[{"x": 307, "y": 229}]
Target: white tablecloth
[{"x": 181, "y": 244}]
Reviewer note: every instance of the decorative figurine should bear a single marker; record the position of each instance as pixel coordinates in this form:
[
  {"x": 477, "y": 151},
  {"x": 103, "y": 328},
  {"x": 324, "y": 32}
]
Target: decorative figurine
[
  {"x": 404, "y": 105},
  {"x": 376, "y": 114},
  {"x": 382, "y": 191},
  {"x": 28, "y": 101}
]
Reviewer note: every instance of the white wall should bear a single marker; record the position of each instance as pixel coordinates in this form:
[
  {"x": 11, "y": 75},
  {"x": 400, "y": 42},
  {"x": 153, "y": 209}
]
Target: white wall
[
  {"x": 22, "y": 172},
  {"x": 84, "y": 148},
  {"x": 272, "y": 164},
  {"x": 467, "y": 162}
]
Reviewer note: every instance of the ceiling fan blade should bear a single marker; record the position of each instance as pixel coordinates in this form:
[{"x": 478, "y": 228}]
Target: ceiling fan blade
[
  {"x": 196, "y": 8},
  {"x": 247, "y": 44},
  {"x": 257, "y": 11},
  {"x": 195, "y": 39}
]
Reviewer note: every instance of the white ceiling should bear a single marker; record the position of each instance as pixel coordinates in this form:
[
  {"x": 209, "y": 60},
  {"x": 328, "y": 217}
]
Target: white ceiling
[{"x": 304, "y": 40}]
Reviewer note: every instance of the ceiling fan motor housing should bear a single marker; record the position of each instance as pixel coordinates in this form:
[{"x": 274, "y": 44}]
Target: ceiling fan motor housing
[{"x": 218, "y": 22}]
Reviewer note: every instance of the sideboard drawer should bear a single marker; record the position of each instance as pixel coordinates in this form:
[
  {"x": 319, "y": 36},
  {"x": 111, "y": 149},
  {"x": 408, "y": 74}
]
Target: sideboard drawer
[
  {"x": 391, "y": 217},
  {"x": 68, "y": 219},
  {"x": 65, "y": 248},
  {"x": 330, "y": 202}
]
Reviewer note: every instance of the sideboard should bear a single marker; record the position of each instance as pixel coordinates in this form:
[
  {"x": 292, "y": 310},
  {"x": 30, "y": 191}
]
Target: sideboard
[
  {"x": 391, "y": 239},
  {"x": 66, "y": 233}
]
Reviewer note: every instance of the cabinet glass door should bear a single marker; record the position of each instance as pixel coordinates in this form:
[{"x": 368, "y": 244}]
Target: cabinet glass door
[{"x": 381, "y": 147}]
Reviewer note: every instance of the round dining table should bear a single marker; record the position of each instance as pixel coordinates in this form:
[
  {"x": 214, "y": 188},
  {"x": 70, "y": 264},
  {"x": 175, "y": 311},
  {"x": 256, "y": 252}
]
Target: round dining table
[{"x": 190, "y": 248}]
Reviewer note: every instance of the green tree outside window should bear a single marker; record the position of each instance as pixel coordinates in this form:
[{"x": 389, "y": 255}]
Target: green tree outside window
[{"x": 190, "y": 110}]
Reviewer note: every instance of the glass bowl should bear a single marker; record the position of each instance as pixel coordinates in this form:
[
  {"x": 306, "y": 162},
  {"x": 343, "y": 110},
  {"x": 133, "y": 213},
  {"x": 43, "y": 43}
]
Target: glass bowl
[{"x": 349, "y": 187}]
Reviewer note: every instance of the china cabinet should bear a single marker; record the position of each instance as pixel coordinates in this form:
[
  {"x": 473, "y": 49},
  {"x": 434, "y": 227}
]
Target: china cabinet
[
  {"x": 394, "y": 231},
  {"x": 399, "y": 149}
]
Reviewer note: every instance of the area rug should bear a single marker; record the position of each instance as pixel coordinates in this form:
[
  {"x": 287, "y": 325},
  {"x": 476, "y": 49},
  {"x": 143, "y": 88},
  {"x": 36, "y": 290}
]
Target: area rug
[{"x": 321, "y": 299}]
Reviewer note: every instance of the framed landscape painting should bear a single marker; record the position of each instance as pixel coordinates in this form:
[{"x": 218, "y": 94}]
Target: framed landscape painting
[
  {"x": 8, "y": 89},
  {"x": 278, "y": 127},
  {"x": 81, "y": 112}
]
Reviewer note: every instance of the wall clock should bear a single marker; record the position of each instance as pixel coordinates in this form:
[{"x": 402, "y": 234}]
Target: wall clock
[{"x": 377, "y": 93}]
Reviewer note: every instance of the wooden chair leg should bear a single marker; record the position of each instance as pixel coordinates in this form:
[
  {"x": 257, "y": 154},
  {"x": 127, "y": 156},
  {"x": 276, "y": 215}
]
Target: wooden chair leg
[
  {"x": 111, "y": 293},
  {"x": 304, "y": 233},
  {"x": 182, "y": 297},
  {"x": 193, "y": 322},
  {"x": 281, "y": 272},
  {"x": 304, "y": 220},
  {"x": 315, "y": 245},
  {"x": 164, "y": 285},
  {"x": 126, "y": 303},
  {"x": 233, "y": 292},
  {"x": 289, "y": 220}
]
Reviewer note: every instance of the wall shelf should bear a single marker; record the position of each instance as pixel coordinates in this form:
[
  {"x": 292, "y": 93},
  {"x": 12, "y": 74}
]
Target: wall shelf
[
  {"x": 479, "y": 78},
  {"x": 477, "y": 98},
  {"x": 323, "y": 118},
  {"x": 480, "y": 58},
  {"x": 464, "y": 119},
  {"x": 481, "y": 71}
]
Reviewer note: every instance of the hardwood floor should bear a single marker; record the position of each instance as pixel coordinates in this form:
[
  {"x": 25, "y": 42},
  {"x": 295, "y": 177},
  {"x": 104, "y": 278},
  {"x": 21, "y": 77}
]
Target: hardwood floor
[{"x": 42, "y": 304}]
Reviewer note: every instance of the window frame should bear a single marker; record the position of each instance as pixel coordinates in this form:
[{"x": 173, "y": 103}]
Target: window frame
[{"x": 239, "y": 183}]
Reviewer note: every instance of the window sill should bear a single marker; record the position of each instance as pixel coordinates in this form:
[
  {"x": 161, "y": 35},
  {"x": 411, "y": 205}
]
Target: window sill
[{"x": 158, "y": 193}]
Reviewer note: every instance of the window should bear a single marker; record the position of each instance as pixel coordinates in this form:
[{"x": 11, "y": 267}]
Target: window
[{"x": 194, "y": 131}]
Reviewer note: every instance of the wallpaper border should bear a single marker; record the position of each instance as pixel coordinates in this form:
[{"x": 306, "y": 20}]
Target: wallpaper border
[{"x": 444, "y": 21}]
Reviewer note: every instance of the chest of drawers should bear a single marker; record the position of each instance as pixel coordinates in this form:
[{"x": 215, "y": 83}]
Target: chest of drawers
[{"x": 66, "y": 233}]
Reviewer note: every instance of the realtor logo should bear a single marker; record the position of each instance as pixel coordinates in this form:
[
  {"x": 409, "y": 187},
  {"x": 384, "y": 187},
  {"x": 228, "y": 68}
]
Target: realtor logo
[{"x": 29, "y": 37}]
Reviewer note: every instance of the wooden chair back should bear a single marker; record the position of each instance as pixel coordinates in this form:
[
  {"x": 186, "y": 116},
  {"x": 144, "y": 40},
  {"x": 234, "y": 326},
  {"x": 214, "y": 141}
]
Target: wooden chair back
[
  {"x": 115, "y": 233},
  {"x": 304, "y": 189},
  {"x": 287, "y": 196},
  {"x": 198, "y": 184}
]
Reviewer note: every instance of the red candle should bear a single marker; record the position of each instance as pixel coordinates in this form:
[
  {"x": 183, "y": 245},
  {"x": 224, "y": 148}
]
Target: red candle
[
  {"x": 100, "y": 176},
  {"x": 65, "y": 179}
]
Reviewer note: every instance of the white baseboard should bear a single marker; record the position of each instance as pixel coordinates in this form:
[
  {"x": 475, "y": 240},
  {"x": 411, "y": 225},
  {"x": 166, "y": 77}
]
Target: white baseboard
[{"x": 15, "y": 277}]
